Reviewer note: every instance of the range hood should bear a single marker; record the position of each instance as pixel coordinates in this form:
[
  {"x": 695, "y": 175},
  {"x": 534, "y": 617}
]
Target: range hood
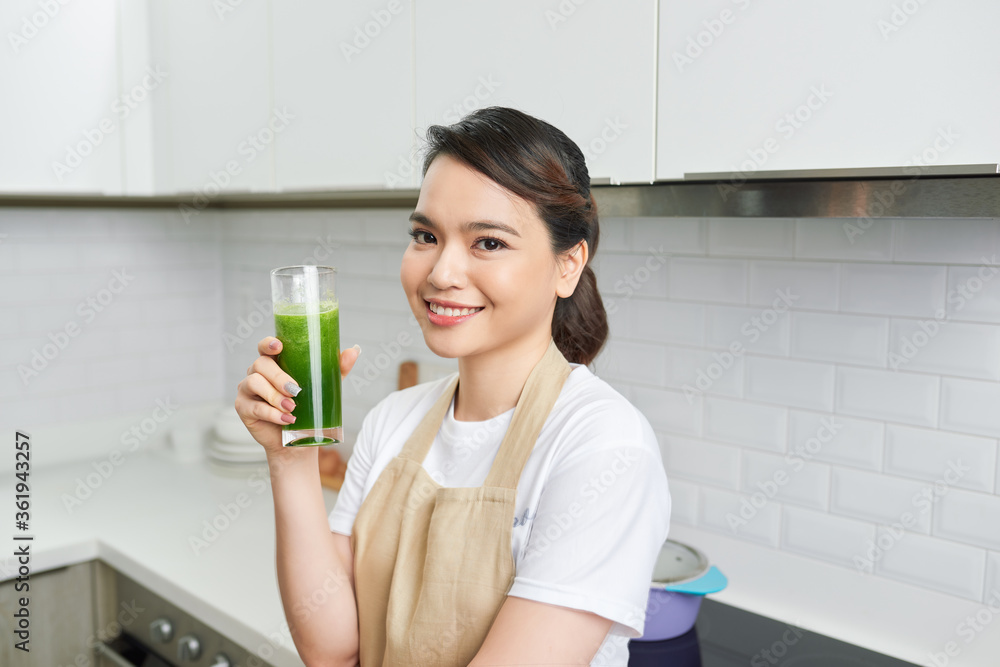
[{"x": 952, "y": 191}]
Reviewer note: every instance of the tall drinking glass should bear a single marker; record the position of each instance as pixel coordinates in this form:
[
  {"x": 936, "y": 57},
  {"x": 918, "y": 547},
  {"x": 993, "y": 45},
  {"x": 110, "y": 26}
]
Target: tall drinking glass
[{"x": 307, "y": 322}]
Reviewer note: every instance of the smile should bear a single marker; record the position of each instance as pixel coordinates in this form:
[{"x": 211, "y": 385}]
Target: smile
[
  {"x": 451, "y": 312},
  {"x": 441, "y": 315}
]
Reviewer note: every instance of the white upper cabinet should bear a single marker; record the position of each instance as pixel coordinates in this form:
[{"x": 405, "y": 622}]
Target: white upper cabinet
[
  {"x": 215, "y": 131},
  {"x": 749, "y": 85},
  {"x": 60, "y": 114},
  {"x": 344, "y": 70},
  {"x": 585, "y": 67}
]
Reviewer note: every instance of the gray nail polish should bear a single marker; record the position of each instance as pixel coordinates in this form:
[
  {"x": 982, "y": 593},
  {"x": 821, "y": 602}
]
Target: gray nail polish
[{"x": 292, "y": 388}]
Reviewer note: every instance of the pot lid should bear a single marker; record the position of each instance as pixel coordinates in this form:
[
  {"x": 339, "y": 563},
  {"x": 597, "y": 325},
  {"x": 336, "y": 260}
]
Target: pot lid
[{"x": 678, "y": 562}]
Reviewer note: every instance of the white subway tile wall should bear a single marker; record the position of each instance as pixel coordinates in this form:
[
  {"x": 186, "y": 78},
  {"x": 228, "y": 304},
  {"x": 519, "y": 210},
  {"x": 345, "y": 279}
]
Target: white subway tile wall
[
  {"x": 811, "y": 381},
  {"x": 195, "y": 301},
  {"x": 826, "y": 378},
  {"x": 992, "y": 590}
]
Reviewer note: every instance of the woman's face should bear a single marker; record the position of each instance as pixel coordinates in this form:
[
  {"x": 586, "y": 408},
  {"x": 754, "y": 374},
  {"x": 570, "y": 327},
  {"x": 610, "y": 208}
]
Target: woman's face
[{"x": 479, "y": 247}]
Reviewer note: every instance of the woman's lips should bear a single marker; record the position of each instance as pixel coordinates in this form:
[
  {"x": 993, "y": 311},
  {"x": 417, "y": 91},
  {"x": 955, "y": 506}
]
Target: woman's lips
[{"x": 445, "y": 320}]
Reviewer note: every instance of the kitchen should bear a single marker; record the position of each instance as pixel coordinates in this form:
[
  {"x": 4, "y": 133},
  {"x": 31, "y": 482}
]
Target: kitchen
[{"x": 800, "y": 220}]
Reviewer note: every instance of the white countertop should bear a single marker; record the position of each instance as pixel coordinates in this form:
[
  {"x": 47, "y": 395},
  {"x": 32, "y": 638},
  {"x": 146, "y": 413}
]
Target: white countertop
[{"x": 140, "y": 520}]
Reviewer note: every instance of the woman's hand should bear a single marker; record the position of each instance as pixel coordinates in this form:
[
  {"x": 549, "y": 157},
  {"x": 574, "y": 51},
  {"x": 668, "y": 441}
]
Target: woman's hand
[{"x": 262, "y": 401}]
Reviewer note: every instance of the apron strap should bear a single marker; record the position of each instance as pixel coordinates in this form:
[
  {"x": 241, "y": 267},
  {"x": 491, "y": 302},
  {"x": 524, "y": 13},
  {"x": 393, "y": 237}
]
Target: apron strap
[
  {"x": 540, "y": 392},
  {"x": 419, "y": 443}
]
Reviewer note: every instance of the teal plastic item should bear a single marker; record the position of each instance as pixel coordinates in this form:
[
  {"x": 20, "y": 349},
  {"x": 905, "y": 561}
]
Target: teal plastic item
[{"x": 712, "y": 581}]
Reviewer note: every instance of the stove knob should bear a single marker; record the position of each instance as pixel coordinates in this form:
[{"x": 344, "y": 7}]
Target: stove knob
[
  {"x": 161, "y": 630},
  {"x": 188, "y": 648},
  {"x": 221, "y": 660}
]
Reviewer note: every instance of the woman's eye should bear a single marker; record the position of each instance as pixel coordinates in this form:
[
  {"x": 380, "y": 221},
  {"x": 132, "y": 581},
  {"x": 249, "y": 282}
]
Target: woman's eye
[
  {"x": 422, "y": 237},
  {"x": 490, "y": 243}
]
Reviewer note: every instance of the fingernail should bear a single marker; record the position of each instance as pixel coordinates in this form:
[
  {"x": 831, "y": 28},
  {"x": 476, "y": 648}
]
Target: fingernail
[
  {"x": 292, "y": 388},
  {"x": 358, "y": 348},
  {"x": 274, "y": 344},
  {"x": 288, "y": 404},
  {"x": 288, "y": 419}
]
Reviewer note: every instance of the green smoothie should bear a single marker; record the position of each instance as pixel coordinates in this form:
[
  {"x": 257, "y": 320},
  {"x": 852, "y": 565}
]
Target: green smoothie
[{"x": 310, "y": 353}]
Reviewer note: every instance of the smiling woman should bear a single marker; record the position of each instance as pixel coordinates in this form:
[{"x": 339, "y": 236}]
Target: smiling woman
[{"x": 510, "y": 513}]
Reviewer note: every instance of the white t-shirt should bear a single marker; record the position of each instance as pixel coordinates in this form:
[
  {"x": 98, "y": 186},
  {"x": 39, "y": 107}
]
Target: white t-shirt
[{"x": 593, "y": 506}]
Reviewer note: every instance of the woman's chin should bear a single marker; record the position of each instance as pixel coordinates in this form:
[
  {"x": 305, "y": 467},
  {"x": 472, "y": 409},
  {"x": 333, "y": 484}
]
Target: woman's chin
[{"x": 446, "y": 349}]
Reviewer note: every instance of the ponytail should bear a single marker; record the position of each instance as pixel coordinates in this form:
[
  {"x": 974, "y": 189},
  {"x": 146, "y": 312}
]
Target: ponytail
[{"x": 580, "y": 324}]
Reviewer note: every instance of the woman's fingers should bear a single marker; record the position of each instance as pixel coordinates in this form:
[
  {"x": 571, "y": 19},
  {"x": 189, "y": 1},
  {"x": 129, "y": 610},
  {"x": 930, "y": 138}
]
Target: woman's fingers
[
  {"x": 254, "y": 410},
  {"x": 281, "y": 380},
  {"x": 275, "y": 406},
  {"x": 347, "y": 359},
  {"x": 269, "y": 345}
]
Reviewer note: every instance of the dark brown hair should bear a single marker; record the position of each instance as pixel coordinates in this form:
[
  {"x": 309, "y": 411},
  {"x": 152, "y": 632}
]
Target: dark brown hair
[{"x": 540, "y": 164}]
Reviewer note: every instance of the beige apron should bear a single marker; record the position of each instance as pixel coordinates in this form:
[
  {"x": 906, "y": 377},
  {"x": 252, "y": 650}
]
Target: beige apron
[{"x": 433, "y": 564}]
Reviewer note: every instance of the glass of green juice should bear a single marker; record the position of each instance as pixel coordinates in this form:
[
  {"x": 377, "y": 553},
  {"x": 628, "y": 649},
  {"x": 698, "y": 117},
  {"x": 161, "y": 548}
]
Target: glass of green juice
[{"x": 307, "y": 322}]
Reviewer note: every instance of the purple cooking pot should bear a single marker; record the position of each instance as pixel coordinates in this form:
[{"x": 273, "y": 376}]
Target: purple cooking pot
[{"x": 682, "y": 577}]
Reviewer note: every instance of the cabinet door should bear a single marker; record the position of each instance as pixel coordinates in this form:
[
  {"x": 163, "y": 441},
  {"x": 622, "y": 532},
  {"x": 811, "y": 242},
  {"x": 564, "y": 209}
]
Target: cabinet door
[
  {"x": 216, "y": 128},
  {"x": 748, "y": 85},
  {"x": 60, "y": 610},
  {"x": 587, "y": 68},
  {"x": 345, "y": 71},
  {"x": 59, "y": 128}
]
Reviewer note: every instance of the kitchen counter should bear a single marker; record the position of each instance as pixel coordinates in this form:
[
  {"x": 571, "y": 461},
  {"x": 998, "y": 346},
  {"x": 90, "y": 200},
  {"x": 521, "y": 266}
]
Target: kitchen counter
[
  {"x": 145, "y": 520},
  {"x": 146, "y": 517}
]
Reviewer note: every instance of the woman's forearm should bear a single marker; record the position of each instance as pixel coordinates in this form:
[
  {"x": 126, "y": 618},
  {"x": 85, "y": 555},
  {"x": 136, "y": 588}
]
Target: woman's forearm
[{"x": 316, "y": 591}]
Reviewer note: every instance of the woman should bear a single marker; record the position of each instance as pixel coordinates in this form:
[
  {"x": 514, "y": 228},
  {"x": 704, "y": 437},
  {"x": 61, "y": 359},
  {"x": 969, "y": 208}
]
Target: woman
[{"x": 510, "y": 513}]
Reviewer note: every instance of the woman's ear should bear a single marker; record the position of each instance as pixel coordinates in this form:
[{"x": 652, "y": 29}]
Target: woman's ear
[{"x": 571, "y": 265}]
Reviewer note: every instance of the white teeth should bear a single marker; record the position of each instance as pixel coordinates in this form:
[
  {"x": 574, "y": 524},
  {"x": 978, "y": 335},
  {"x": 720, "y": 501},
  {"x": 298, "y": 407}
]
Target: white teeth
[{"x": 452, "y": 312}]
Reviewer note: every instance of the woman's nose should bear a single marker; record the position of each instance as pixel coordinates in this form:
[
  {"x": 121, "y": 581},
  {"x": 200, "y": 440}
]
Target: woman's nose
[{"x": 449, "y": 269}]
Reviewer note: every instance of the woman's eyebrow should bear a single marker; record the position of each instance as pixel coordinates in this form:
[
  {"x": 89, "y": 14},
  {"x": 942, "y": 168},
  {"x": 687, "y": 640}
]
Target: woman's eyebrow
[
  {"x": 474, "y": 226},
  {"x": 483, "y": 225},
  {"x": 421, "y": 219}
]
